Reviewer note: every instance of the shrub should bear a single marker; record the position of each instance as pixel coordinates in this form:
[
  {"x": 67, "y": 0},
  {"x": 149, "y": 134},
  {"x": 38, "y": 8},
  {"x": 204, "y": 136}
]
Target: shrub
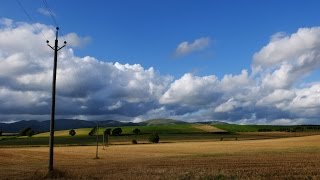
[
  {"x": 30, "y": 132},
  {"x": 136, "y": 131},
  {"x": 93, "y": 131},
  {"x": 134, "y": 141},
  {"x": 116, "y": 131},
  {"x": 0, "y": 133},
  {"x": 72, "y": 132},
  {"x": 154, "y": 138},
  {"x": 264, "y": 130},
  {"x": 24, "y": 131},
  {"x": 107, "y": 131}
]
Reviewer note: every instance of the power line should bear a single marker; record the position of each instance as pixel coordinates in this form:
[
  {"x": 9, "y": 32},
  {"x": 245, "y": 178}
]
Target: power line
[
  {"x": 77, "y": 76},
  {"x": 25, "y": 11},
  {"x": 68, "y": 54},
  {"x": 50, "y": 12}
]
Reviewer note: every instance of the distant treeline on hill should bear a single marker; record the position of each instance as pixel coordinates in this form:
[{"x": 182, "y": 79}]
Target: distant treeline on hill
[
  {"x": 60, "y": 124},
  {"x": 292, "y": 129},
  {"x": 267, "y": 128},
  {"x": 65, "y": 124}
]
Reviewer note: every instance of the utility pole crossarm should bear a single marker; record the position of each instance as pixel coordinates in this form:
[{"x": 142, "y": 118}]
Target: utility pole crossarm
[{"x": 53, "y": 105}]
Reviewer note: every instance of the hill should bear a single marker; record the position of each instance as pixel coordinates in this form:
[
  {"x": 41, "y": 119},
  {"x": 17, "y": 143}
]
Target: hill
[
  {"x": 212, "y": 122},
  {"x": 156, "y": 122},
  {"x": 60, "y": 124}
]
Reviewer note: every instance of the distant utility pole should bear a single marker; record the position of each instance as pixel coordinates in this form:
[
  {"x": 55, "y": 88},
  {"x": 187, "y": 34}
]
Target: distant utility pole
[
  {"x": 97, "y": 134},
  {"x": 56, "y": 48}
]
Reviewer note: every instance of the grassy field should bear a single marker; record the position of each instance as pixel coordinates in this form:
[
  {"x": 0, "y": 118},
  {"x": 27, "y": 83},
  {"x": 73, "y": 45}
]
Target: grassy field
[
  {"x": 168, "y": 133},
  {"x": 286, "y": 158},
  {"x": 127, "y": 130},
  {"x": 265, "y": 128}
]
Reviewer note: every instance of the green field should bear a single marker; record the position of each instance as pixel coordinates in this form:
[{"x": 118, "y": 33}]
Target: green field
[
  {"x": 266, "y": 128},
  {"x": 127, "y": 130},
  {"x": 167, "y": 133}
]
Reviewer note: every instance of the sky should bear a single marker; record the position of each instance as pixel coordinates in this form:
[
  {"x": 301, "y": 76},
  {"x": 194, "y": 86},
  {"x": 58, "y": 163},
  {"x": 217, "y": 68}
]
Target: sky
[{"x": 246, "y": 62}]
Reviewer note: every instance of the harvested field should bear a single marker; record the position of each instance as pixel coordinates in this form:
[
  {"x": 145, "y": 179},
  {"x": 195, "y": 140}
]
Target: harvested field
[{"x": 287, "y": 158}]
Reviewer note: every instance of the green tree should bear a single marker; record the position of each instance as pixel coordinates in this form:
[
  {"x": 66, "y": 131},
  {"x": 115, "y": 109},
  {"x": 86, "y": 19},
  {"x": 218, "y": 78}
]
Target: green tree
[
  {"x": 107, "y": 131},
  {"x": 72, "y": 132},
  {"x": 30, "y": 132},
  {"x": 116, "y": 131},
  {"x": 24, "y": 131},
  {"x": 154, "y": 138},
  {"x": 93, "y": 131},
  {"x": 136, "y": 131},
  {"x": 134, "y": 141}
]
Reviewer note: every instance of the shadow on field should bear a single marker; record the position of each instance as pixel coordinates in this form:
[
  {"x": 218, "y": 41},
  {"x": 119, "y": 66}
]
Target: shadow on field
[{"x": 55, "y": 174}]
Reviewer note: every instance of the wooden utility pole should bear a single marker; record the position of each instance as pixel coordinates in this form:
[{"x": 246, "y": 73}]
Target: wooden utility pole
[
  {"x": 56, "y": 48},
  {"x": 97, "y": 134}
]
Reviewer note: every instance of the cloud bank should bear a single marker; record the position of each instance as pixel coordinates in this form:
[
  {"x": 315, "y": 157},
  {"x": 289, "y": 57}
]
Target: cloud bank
[{"x": 273, "y": 91}]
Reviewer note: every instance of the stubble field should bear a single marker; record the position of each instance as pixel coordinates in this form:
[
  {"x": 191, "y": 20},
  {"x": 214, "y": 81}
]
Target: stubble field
[{"x": 286, "y": 158}]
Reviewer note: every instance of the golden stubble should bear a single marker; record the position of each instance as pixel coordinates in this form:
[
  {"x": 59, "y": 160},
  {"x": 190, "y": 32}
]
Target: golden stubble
[{"x": 297, "y": 157}]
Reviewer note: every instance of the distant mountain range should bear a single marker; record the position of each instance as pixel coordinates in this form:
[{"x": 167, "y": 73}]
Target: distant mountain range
[{"x": 63, "y": 124}]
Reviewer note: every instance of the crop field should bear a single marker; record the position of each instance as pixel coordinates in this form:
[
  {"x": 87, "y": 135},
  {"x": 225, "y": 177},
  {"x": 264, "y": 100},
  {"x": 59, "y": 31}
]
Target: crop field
[
  {"x": 266, "y": 128},
  {"x": 285, "y": 158},
  {"x": 167, "y": 133}
]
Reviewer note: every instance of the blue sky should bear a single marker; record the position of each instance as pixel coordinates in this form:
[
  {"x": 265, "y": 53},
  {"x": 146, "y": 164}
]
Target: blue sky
[
  {"x": 246, "y": 61},
  {"x": 148, "y": 32}
]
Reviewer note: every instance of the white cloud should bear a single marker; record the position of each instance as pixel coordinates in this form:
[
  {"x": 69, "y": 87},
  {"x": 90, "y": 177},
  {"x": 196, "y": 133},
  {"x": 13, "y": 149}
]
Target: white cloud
[
  {"x": 230, "y": 105},
  {"x": 101, "y": 87},
  {"x": 289, "y": 48},
  {"x": 93, "y": 89},
  {"x": 45, "y": 12},
  {"x": 191, "y": 90},
  {"x": 117, "y": 105},
  {"x": 75, "y": 41},
  {"x": 185, "y": 47}
]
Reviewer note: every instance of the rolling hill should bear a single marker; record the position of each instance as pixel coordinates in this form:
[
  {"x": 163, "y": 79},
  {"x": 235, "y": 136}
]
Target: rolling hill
[
  {"x": 65, "y": 124},
  {"x": 60, "y": 124},
  {"x": 156, "y": 122}
]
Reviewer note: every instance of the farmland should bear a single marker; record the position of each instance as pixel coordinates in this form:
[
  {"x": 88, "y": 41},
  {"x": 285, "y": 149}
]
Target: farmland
[
  {"x": 185, "y": 151},
  {"x": 168, "y": 133},
  {"x": 284, "y": 158}
]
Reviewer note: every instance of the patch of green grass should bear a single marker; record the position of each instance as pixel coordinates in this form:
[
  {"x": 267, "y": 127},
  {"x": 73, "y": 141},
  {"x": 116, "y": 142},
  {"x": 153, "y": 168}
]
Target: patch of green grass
[
  {"x": 266, "y": 128},
  {"x": 166, "y": 132},
  {"x": 163, "y": 129},
  {"x": 79, "y": 132},
  {"x": 127, "y": 130}
]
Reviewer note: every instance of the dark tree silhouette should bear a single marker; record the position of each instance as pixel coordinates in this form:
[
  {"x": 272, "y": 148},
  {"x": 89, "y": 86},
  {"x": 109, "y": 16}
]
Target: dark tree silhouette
[
  {"x": 136, "y": 131},
  {"x": 72, "y": 132},
  {"x": 116, "y": 131}
]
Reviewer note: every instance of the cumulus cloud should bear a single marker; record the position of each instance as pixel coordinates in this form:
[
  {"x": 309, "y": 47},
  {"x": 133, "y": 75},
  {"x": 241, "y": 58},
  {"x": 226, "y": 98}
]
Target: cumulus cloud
[
  {"x": 273, "y": 92},
  {"x": 185, "y": 47},
  {"x": 85, "y": 85},
  {"x": 75, "y": 41}
]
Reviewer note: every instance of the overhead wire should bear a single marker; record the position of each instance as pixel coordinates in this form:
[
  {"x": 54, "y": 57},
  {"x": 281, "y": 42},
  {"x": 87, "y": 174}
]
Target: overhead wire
[
  {"x": 67, "y": 52},
  {"x": 24, "y": 10},
  {"x": 50, "y": 12}
]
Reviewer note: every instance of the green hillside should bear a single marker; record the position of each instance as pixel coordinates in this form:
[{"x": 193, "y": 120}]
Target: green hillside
[
  {"x": 266, "y": 128},
  {"x": 156, "y": 122}
]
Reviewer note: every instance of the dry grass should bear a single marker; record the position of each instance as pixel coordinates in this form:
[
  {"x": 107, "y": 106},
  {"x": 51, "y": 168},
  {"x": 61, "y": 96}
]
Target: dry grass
[
  {"x": 287, "y": 158},
  {"x": 207, "y": 128}
]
